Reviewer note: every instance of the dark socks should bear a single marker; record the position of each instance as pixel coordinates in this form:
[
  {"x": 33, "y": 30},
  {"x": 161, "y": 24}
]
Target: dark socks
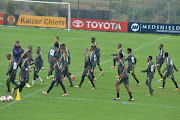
[
  {"x": 130, "y": 95},
  {"x": 117, "y": 95},
  {"x": 52, "y": 85},
  {"x": 135, "y": 78},
  {"x": 91, "y": 81},
  {"x": 114, "y": 62},
  {"x": 175, "y": 82},
  {"x": 160, "y": 73}
]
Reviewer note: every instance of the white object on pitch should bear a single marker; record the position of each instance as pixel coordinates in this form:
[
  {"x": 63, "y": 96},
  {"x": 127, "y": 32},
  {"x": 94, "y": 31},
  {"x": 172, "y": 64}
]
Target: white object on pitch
[
  {"x": 9, "y": 98},
  {"x": 3, "y": 98}
]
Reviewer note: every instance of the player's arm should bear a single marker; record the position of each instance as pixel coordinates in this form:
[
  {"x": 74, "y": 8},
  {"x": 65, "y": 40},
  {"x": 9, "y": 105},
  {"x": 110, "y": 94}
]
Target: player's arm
[
  {"x": 48, "y": 56},
  {"x": 167, "y": 67},
  {"x": 65, "y": 63},
  {"x": 22, "y": 50},
  {"x": 23, "y": 67},
  {"x": 124, "y": 70},
  {"x": 127, "y": 58},
  {"x": 10, "y": 68},
  {"x": 22, "y": 56},
  {"x": 160, "y": 57},
  {"x": 42, "y": 63},
  {"x": 135, "y": 60},
  {"x": 15, "y": 52},
  {"x": 147, "y": 68},
  {"x": 86, "y": 63},
  {"x": 175, "y": 67},
  {"x": 114, "y": 54}
]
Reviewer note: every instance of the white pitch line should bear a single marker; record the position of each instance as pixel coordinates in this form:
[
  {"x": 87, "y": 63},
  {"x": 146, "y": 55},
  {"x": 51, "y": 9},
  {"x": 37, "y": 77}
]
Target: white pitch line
[
  {"x": 129, "y": 103},
  {"x": 21, "y": 98}
]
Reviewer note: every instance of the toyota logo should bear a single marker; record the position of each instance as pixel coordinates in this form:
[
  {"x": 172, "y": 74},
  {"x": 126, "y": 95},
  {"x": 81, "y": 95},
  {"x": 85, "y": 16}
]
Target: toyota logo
[
  {"x": 135, "y": 27},
  {"x": 78, "y": 23}
]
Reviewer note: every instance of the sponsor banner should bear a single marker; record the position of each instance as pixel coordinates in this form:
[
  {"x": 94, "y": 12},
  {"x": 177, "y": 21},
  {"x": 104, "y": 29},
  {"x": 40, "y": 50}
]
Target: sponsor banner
[
  {"x": 154, "y": 28},
  {"x": 101, "y": 25},
  {"x": 42, "y": 21},
  {"x": 10, "y": 19},
  {"x": 1, "y": 18}
]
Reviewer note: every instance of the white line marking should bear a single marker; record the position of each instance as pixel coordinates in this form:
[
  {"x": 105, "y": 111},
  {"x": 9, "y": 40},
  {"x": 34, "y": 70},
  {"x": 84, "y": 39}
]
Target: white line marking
[
  {"x": 21, "y": 98},
  {"x": 129, "y": 103}
]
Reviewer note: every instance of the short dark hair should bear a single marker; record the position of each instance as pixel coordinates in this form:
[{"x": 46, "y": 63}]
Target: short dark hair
[
  {"x": 92, "y": 46},
  {"x": 161, "y": 45},
  {"x": 120, "y": 45},
  {"x": 63, "y": 45},
  {"x": 17, "y": 41},
  {"x": 29, "y": 46},
  {"x": 8, "y": 55},
  {"x": 93, "y": 38},
  {"x": 57, "y": 37},
  {"x": 150, "y": 57},
  {"x": 56, "y": 45},
  {"x": 129, "y": 49},
  {"x": 166, "y": 54},
  {"x": 39, "y": 47}
]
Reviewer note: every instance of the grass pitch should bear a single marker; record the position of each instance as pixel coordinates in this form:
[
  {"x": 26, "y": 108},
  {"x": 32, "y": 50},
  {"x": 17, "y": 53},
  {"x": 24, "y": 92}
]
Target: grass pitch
[{"x": 83, "y": 103}]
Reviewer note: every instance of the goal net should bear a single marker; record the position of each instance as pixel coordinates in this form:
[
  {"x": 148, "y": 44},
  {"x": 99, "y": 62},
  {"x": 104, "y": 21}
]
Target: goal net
[{"x": 42, "y": 13}]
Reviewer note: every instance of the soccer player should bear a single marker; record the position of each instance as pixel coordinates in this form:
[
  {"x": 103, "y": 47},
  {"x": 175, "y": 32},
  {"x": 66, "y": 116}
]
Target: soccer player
[
  {"x": 23, "y": 57},
  {"x": 65, "y": 66},
  {"x": 57, "y": 42},
  {"x": 57, "y": 77},
  {"x": 93, "y": 62},
  {"x": 38, "y": 66},
  {"x": 53, "y": 52},
  {"x": 120, "y": 50},
  {"x": 160, "y": 60},
  {"x": 170, "y": 71},
  {"x": 17, "y": 51},
  {"x": 87, "y": 70},
  {"x": 150, "y": 74},
  {"x": 11, "y": 72},
  {"x": 131, "y": 62},
  {"x": 25, "y": 69},
  {"x": 98, "y": 55},
  {"x": 124, "y": 77},
  {"x": 63, "y": 46}
]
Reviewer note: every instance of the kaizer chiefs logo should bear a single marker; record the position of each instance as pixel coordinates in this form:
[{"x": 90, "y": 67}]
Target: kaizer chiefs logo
[{"x": 11, "y": 19}]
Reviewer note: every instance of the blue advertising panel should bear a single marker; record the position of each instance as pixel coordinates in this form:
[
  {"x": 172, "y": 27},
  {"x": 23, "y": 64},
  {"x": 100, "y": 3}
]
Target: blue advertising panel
[{"x": 154, "y": 28}]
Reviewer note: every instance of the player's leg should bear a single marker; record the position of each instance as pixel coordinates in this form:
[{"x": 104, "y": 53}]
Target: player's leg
[
  {"x": 50, "y": 70},
  {"x": 90, "y": 79},
  {"x": 133, "y": 74},
  {"x": 175, "y": 83},
  {"x": 13, "y": 81},
  {"x": 164, "y": 80},
  {"x": 148, "y": 83},
  {"x": 27, "y": 81},
  {"x": 129, "y": 91},
  {"x": 92, "y": 74},
  {"x": 114, "y": 61},
  {"x": 98, "y": 63},
  {"x": 8, "y": 84},
  {"x": 159, "y": 71},
  {"x": 51, "y": 86},
  {"x": 68, "y": 76},
  {"x": 63, "y": 87},
  {"x": 117, "y": 89},
  {"x": 82, "y": 79}
]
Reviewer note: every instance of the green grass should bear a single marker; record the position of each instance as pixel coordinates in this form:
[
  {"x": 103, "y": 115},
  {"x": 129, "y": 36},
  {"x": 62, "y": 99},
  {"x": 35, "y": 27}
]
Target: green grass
[{"x": 85, "y": 104}]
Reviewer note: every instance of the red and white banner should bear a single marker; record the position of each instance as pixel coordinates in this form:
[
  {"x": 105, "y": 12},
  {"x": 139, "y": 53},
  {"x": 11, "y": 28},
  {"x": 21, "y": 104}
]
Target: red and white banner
[
  {"x": 1, "y": 18},
  {"x": 101, "y": 25}
]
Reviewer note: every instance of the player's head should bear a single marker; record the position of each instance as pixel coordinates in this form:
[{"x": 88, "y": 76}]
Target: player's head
[
  {"x": 129, "y": 50},
  {"x": 161, "y": 46},
  {"x": 62, "y": 50},
  {"x": 93, "y": 39},
  {"x": 63, "y": 46},
  {"x": 56, "y": 45},
  {"x": 57, "y": 39},
  {"x": 149, "y": 58},
  {"x": 55, "y": 58},
  {"x": 166, "y": 54},
  {"x": 119, "y": 46},
  {"x": 30, "y": 47},
  {"x": 29, "y": 56},
  {"x": 91, "y": 48},
  {"x": 38, "y": 49},
  {"x": 8, "y": 56},
  {"x": 85, "y": 51},
  {"x": 17, "y": 43}
]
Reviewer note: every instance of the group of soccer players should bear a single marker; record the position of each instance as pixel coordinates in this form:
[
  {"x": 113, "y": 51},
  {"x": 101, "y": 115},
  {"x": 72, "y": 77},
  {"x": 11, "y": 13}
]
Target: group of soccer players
[{"x": 59, "y": 60}]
